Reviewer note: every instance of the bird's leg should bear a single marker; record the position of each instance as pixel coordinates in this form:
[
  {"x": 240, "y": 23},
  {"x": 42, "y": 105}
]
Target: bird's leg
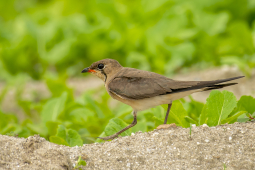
[
  {"x": 126, "y": 128},
  {"x": 167, "y": 112},
  {"x": 166, "y": 126}
]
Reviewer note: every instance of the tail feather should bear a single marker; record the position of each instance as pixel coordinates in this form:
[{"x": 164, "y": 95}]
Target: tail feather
[
  {"x": 218, "y": 81},
  {"x": 219, "y": 86},
  {"x": 209, "y": 85}
]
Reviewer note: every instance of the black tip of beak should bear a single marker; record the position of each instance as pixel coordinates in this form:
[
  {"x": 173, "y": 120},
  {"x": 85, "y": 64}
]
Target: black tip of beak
[{"x": 85, "y": 70}]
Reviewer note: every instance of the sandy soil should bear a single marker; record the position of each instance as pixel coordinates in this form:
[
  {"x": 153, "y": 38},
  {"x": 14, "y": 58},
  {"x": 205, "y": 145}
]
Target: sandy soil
[{"x": 230, "y": 146}]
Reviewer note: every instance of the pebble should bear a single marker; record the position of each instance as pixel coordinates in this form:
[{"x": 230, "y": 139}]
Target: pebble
[{"x": 205, "y": 125}]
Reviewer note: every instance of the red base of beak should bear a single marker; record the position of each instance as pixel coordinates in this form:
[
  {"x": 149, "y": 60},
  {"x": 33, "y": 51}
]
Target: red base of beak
[{"x": 91, "y": 71}]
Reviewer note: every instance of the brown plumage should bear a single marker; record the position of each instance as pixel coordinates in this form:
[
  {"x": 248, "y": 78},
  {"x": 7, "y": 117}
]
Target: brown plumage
[
  {"x": 137, "y": 84},
  {"x": 143, "y": 89}
]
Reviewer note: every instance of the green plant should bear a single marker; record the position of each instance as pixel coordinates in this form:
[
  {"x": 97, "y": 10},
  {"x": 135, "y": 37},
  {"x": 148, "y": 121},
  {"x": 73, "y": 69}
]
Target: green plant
[
  {"x": 71, "y": 121},
  {"x": 80, "y": 163},
  {"x": 174, "y": 34},
  {"x": 224, "y": 166},
  {"x": 66, "y": 137}
]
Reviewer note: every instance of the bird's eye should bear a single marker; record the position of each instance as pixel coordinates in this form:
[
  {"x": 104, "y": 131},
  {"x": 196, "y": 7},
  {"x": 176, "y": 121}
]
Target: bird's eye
[{"x": 100, "y": 66}]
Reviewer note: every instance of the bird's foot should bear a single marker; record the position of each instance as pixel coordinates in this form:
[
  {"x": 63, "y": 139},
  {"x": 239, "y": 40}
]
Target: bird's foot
[
  {"x": 166, "y": 126},
  {"x": 109, "y": 137}
]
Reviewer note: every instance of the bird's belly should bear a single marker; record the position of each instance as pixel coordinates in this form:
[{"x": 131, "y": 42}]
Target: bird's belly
[
  {"x": 143, "y": 104},
  {"x": 146, "y": 103}
]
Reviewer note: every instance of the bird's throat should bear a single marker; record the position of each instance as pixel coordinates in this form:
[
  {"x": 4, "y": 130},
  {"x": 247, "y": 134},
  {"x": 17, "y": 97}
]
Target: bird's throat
[{"x": 101, "y": 74}]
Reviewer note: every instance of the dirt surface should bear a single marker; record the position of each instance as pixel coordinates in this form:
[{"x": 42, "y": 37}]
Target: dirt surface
[{"x": 230, "y": 146}]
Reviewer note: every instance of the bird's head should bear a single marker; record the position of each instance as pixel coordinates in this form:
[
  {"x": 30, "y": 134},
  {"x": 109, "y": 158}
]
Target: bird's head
[{"x": 103, "y": 68}]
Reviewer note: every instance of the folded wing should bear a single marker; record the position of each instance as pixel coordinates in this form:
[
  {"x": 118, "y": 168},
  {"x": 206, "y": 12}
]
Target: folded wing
[{"x": 137, "y": 84}]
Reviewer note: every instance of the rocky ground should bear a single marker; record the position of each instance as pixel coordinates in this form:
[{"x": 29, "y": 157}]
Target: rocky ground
[{"x": 227, "y": 146}]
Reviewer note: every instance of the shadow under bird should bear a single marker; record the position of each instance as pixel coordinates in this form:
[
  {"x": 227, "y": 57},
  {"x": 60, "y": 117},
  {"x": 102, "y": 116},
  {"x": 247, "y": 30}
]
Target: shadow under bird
[{"x": 143, "y": 89}]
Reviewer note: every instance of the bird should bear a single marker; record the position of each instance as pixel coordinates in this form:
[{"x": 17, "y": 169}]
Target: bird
[{"x": 144, "y": 89}]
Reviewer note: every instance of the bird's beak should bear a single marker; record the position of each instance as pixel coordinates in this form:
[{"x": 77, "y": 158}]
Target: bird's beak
[{"x": 85, "y": 70}]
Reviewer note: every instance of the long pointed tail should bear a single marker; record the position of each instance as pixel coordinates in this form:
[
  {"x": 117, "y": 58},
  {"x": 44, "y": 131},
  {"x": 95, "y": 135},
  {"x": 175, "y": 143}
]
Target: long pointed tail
[{"x": 209, "y": 85}]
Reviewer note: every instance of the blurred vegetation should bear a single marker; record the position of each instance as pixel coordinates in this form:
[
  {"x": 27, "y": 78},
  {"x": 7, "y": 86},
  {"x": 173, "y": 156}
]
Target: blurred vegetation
[
  {"x": 63, "y": 36},
  {"x": 52, "y": 40}
]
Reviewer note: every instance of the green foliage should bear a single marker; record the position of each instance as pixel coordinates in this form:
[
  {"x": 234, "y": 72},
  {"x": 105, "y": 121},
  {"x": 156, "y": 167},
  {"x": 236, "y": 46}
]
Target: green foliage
[
  {"x": 80, "y": 162},
  {"x": 8, "y": 123},
  {"x": 61, "y": 37},
  {"x": 233, "y": 118},
  {"x": 66, "y": 137},
  {"x": 52, "y": 109},
  {"x": 246, "y": 103},
  {"x": 178, "y": 114},
  {"x": 68, "y": 121},
  {"x": 218, "y": 106},
  {"x": 116, "y": 125}
]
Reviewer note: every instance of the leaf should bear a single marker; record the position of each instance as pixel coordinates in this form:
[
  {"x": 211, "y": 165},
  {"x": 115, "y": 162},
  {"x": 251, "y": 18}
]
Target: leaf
[
  {"x": 37, "y": 129},
  {"x": 116, "y": 125},
  {"x": 242, "y": 118},
  {"x": 232, "y": 118},
  {"x": 246, "y": 103},
  {"x": 74, "y": 139},
  {"x": 4, "y": 92},
  {"x": 140, "y": 126},
  {"x": 191, "y": 120},
  {"x": 95, "y": 107},
  {"x": 178, "y": 113},
  {"x": 202, "y": 118},
  {"x": 58, "y": 52},
  {"x": 58, "y": 140},
  {"x": 8, "y": 128},
  {"x": 6, "y": 119},
  {"x": 52, "y": 127},
  {"x": 58, "y": 86},
  {"x": 159, "y": 113},
  {"x": 196, "y": 108},
  {"x": 71, "y": 137},
  {"x": 219, "y": 106},
  {"x": 157, "y": 121},
  {"x": 81, "y": 162},
  {"x": 53, "y": 108},
  {"x": 123, "y": 110},
  {"x": 80, "y": 115},
  {"x": 61, "y": 132}
]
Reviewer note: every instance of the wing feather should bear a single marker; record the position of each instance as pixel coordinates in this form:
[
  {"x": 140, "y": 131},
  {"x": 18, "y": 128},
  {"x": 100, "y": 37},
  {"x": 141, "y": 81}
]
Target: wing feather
[{"x": 137, "y": 84}]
